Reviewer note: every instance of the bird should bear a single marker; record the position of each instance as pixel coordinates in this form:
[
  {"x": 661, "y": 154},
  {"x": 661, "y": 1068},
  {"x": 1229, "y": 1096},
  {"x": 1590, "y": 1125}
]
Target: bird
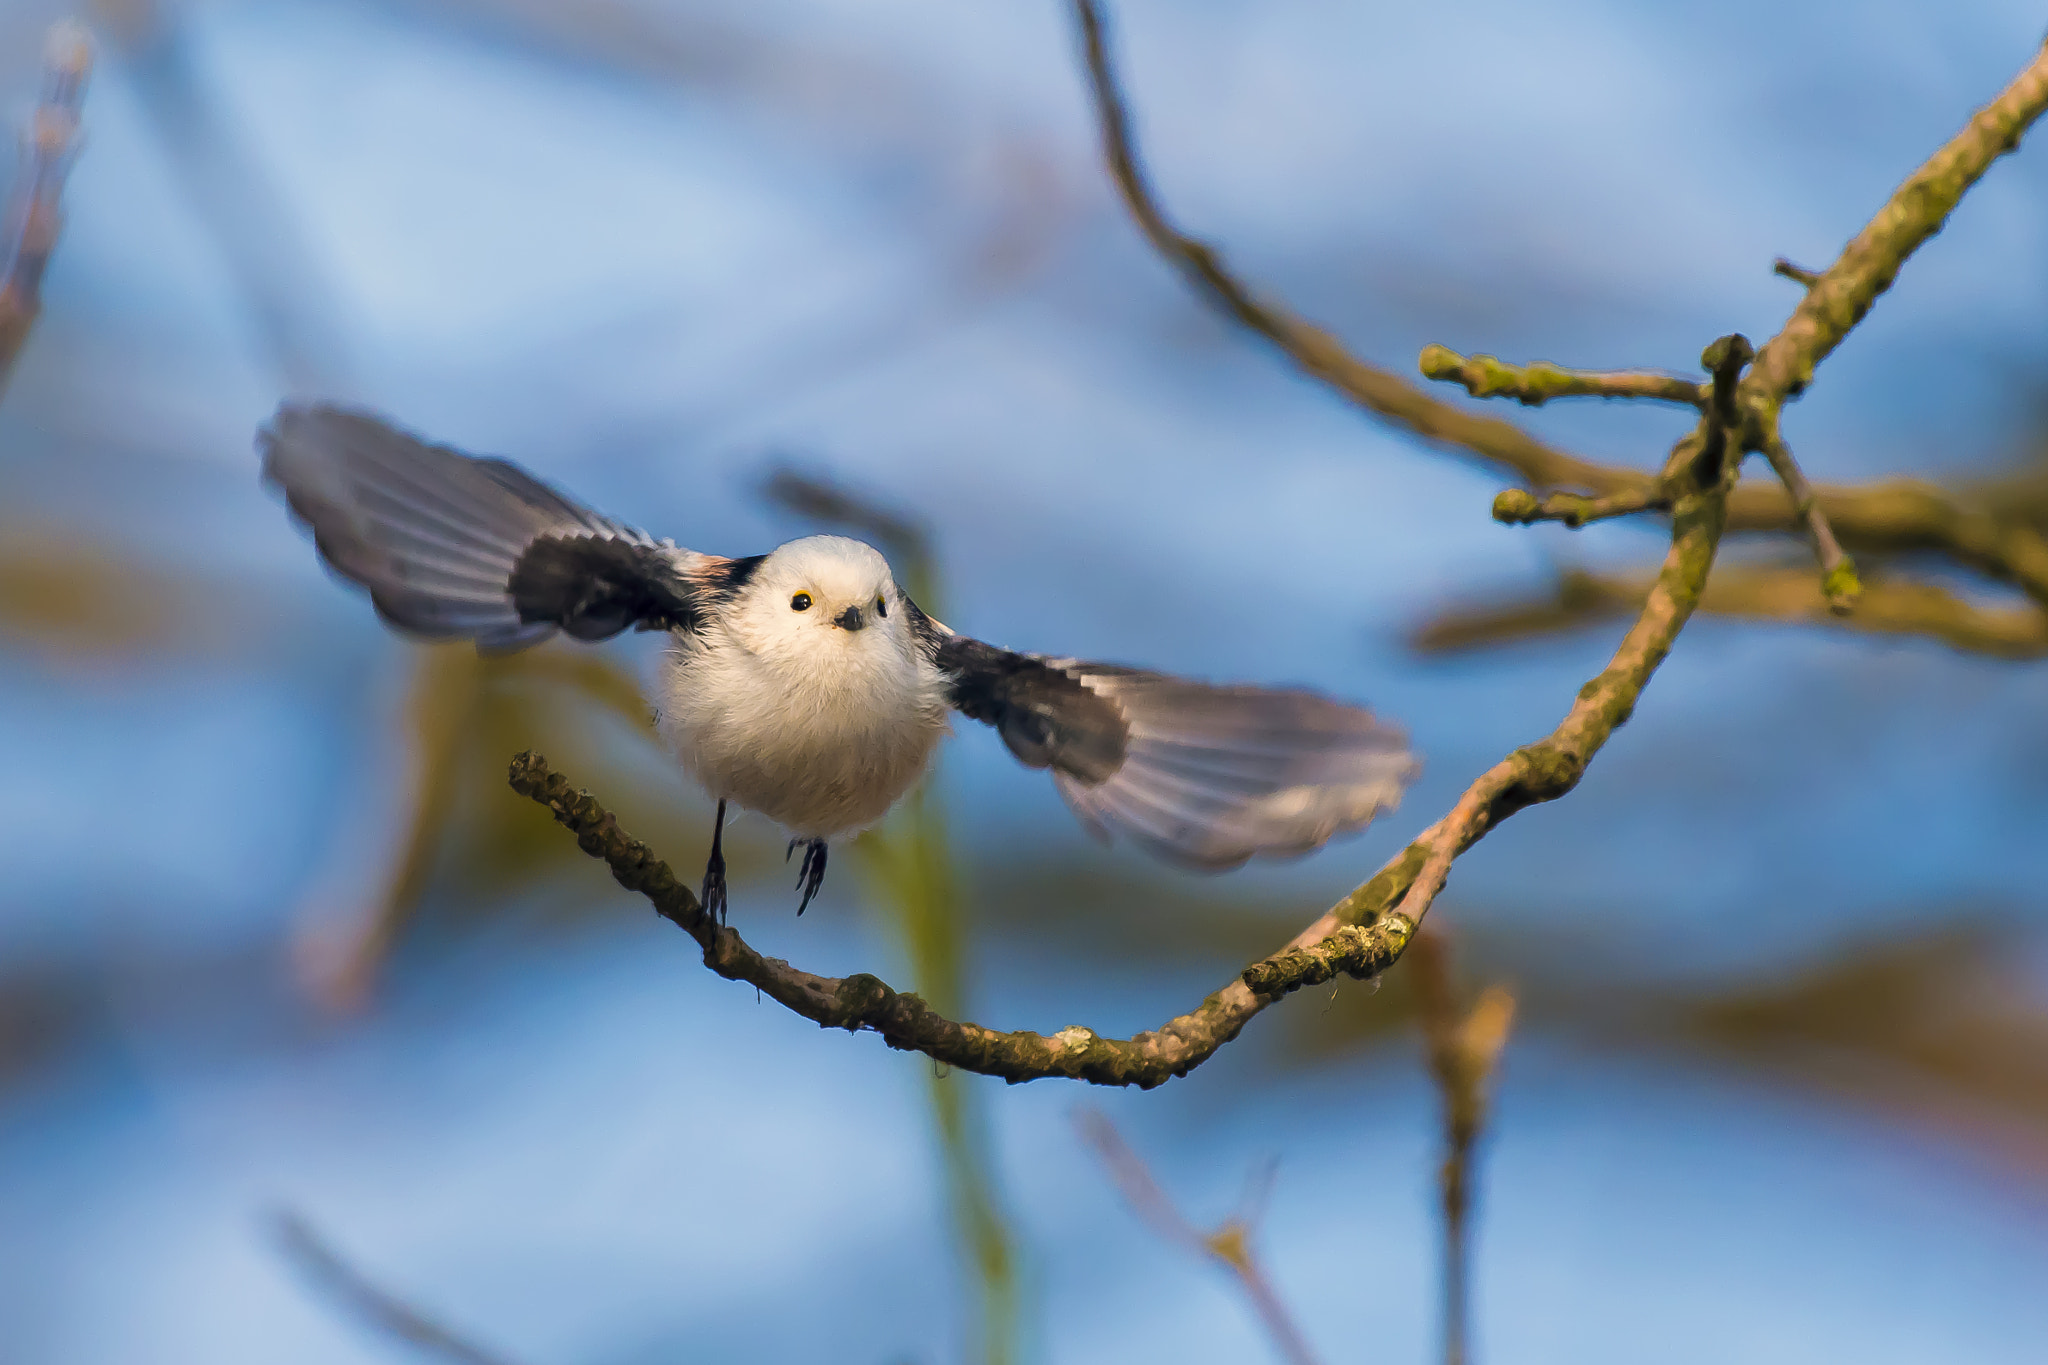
[{"x": 803, "y": 684}]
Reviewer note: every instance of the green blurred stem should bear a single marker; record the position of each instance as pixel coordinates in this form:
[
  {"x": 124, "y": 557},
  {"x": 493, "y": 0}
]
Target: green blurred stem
[{"x": 909, "y": 864}]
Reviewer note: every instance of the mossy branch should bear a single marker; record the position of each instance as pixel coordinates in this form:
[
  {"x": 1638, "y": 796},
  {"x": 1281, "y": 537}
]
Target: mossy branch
[
  {"x": 1844, "y": 292},
  {"x": 1361, "y": 936},
  {"x": 1893, "y": 516},
  {"x": 1552, "y": 766},
  {"x": 905, "y": 1021},
  {"x": 1519, "y": 507},
  {"x": 1838, "y": 583},
  {"x": 1370, "y": 928},
  {"x": 1484, "y": 376}
]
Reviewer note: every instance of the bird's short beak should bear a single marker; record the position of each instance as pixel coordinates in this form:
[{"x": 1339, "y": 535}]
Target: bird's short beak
[{"x": 850, "y": 619}]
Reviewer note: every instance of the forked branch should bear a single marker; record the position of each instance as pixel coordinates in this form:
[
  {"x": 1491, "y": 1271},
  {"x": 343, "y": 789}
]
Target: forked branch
[{"x": 1368, "y": 930}]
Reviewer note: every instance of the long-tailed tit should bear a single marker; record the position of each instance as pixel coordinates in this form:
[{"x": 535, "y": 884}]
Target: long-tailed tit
[{"x": 802, "y": 683}]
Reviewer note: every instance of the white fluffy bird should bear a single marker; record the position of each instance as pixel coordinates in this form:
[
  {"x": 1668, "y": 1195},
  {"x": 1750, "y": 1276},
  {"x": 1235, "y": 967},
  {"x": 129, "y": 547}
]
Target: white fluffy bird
[{"x": 802, "y": 683}]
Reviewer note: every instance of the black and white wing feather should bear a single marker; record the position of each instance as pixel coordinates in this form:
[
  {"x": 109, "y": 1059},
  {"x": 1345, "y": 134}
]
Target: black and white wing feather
[
  {"x": 1200, "y": 775},
  {"x": 453, "y": 546}
]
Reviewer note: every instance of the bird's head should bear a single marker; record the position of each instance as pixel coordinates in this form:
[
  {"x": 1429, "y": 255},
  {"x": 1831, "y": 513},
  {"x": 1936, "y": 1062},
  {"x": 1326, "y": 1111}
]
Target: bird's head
[{"x": 823, "y": 595}]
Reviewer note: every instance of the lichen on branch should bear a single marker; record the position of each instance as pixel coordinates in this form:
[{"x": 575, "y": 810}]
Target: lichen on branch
[
  {"x": 1533, "y": 385},
  {"x": 905, "y": 1021}
]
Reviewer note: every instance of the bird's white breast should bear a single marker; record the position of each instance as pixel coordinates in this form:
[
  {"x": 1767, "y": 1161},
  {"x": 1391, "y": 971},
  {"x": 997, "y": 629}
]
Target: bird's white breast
[{"x": 823, "y": 745}]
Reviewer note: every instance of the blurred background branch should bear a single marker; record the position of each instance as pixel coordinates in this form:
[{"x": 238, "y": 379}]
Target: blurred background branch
[
  {"x": 1904, "y": 1026},
  {"x": 324, "y": 1270},
  {"x": 1987, "y": 529},
  {"x": 908, "y": 864},
  {"x": 1463, "y": 1047},
  {"x": 1314, "y": 350},
  {"x": 33, "y": 216},
  {"x": 262, "y": 244},
  {"x": 1230, "y": 1245},
  {"x": 1579, "y": 598}
]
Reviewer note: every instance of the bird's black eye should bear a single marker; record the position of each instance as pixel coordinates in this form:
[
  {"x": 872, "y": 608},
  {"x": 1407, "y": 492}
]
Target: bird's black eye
[
  {"x": 800, "y": 602},
  {"x": 881, "y": 607}
]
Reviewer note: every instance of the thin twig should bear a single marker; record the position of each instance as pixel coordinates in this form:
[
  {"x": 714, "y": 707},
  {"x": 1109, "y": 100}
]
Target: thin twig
[
  {"x": 1230, "y": 1245},
  {"x": 1519, "y": 507},
  {"x": 1894, "y": 516},
  {"x": 1462, "y": 1050},
  {"x": 325, "y": 1269},
  {"x": 820, "y": 499},
  {"x": 1314, "y": 350},
  {"x": 1485, "y": 376},
  {"x": 1697, "y": 476},
  {"x": 1838, "y": 579},
  {"x": 34, "y": 215},
  {"x": 1742, "y": 415},
  {"x": 1798, "y": 274},
  {"x": 1837, "y": 301},
  {"x": 1551, "y": 767},
  {"x": 1901, "y": 516}
]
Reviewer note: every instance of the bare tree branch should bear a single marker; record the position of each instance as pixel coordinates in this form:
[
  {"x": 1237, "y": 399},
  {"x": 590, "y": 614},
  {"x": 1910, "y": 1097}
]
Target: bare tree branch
[
  {"x": 1462, "y": 1049},
  {"x": 34, "y": 216},
  {"x": 1838, "y": 580},
  {"x": 1485, "y": 376},
  {"x": 1750, "y": 592},
  {"x": 1892, "y": 516},
  {"x": 325, "y": 1270},
  {"x": 1549, "y": 768},
  {"x": 1230, "y": 1245},
  {"x": 1837, "y": 301},
  {"x": 1367, "y": 930},
  {"x": 1903, "y": 515},
  {"x": 905, "y": 1021},
  {"x": 1314, "y": 350},
  {"x": 1519, "y": 507}
]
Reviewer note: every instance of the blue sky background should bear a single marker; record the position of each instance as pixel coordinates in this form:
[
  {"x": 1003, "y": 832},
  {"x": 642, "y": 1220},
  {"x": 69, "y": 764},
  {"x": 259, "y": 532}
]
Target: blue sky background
[{"x": 653, "y": 249}]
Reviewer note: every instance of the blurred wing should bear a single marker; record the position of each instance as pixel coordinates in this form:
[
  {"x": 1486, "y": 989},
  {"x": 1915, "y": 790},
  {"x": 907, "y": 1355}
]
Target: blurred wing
[
  {"x": 453, "y": 546},
  {"x": 1203, "y": 776}
]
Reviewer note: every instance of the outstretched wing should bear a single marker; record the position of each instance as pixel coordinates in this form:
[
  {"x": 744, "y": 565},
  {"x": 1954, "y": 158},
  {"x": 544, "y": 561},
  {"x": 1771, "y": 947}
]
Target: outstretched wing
[
  {"x": 1200, "y": 775},
  {"x": 453, "y": 546}
]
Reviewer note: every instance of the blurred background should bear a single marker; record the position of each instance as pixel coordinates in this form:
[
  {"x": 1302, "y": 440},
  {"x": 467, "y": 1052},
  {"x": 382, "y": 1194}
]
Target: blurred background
[{"x": 275, "y": 936}]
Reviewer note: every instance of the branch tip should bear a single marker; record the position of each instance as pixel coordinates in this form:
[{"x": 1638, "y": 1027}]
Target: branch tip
[
  {"x": 1798, "y": 274},
  {"x": 1533, "y": 385}
]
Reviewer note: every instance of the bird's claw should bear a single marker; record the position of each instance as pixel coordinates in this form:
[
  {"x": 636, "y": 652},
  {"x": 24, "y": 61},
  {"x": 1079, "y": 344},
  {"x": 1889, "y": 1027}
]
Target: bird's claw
[
  {"x": 811, "y": 875},
  {"x": 713, "y": 895}
]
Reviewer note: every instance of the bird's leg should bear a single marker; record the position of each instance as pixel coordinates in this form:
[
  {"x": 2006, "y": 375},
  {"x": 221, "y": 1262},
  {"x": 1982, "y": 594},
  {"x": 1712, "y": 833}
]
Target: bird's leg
[
  {"x": 812, "y": 875},
  {"x": 714, "y": 871}
]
